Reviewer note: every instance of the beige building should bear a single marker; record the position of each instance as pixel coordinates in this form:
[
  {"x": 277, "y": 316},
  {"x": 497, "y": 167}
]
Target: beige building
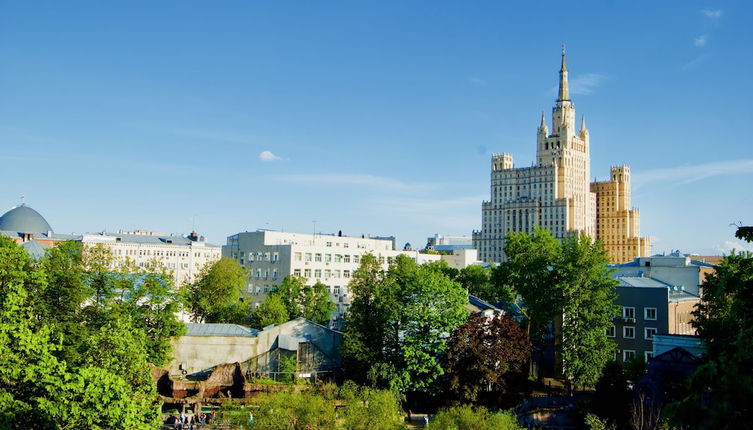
[
  {"x": 617, "y": 224},
  {"x": 554, "y": 193},
  {"x": 183, "y": 256}
]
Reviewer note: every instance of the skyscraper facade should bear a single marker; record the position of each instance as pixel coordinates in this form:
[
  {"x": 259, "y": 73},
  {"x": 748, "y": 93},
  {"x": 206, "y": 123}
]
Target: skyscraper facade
[{"x": 555, "y": 194}]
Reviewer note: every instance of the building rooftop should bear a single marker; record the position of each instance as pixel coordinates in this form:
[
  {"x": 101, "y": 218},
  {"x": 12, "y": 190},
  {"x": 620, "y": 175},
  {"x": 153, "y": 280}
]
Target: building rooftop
[
  {"x": 23, "y": 219},
  {"x": 674, "y": 293},
  {"x": 144, "y": 239},
  {"x": 221, "y": 330}
]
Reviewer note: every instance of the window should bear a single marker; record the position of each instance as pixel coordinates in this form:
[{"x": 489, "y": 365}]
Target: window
[
  {"x": 327, "y": 258},
  {"x": 275, "y": 256},
  {"x": 628, "y": 312},
  {"x": 346, "y": 273},
  {"x": 649, "y": 314},
  {"x": 649, "y": 355},
  {"x": 318, "y": 257},
  {"x": 327, "y": 274},
  {"x": 329, "y": 243},
  {"x": 308, "y": 256},
  {"x": 649, "y": 332},
  {"x": 628, "y": 354},
  {"x": 611, "y": 331},
  {"x": 338, "y": 258},
  {"x": 337, "y": 291},
  {"x": 297, "y": 272},
  {"x": 298, "y": 256},
  {"x": 318, "y": 273},
  {"x": 356, "y": 258},
  {"x": 346, "y": 258},
  {"x": 274, "y": 274},
  {"x": 628, "y": 332},
  {"x": 266, "y": 256},
  {"x": 307, "y": 273},
  {"x": 337, "y": 273}
]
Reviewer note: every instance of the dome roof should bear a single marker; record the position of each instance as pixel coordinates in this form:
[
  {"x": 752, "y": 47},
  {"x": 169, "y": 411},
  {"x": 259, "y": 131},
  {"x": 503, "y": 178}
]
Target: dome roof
[{"x": 23, "y": 219}]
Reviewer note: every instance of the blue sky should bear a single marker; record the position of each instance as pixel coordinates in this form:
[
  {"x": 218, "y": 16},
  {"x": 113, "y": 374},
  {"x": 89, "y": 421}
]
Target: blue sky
[{"x": 367, "y": 117}]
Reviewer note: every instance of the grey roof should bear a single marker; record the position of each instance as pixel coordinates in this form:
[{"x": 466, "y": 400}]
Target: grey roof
[
  {"x": 148, "y": 239},
  {"x": 34, "y": 249},
  {"x": 23, "y": 219},
  {"x": 646, "y": 282},
  {"x": 641, "y": 281},
  {"x": 481, "y": 304},
  {"x": 221, "y": 330}
]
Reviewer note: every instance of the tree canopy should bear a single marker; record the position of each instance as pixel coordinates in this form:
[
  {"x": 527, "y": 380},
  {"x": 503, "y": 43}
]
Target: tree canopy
[
  {"x": 102, "y": 379},
  {"x": 487, "y": 354},
  {"x": 721, "y": 388},
  {"x": 399, "y": 322},
  {"x": 216, "y": 296}
]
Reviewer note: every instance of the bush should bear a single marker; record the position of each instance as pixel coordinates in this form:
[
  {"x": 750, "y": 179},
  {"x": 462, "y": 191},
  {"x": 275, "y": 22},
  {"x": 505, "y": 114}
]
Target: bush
[{"x": 469, "y": 418}]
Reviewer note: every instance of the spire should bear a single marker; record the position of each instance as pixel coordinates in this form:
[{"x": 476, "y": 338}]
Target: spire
[
  {"x": 583, "y": 130},
  {"x": 543, "y": 120},
  {"x": 564, "y": 93}
]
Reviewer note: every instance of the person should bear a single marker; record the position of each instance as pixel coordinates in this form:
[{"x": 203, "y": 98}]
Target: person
[
  {"x": 202, "y": 418},
  {"x": 250, "y": 418},
  {"x": 410, "y": 415},
  {"x": 426, "y": 420}
]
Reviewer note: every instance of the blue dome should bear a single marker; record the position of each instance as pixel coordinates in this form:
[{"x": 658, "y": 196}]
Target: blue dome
[{"x": 23, "y": 219}]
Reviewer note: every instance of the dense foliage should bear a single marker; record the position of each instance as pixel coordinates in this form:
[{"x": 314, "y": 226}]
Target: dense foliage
[
  {"x": 721, "y": 388},
  {"x": 588, "y": 293},
  {"x": 326, "y": 407},
  {"x": 77, "y": 333},
  {"x": 217, "y": 294},
  {"x": 487, "y": 355},
  {"x": 566, "y": 282},
  {"x": 470, "y": 418},
  {"x": 399, "y": 323}
]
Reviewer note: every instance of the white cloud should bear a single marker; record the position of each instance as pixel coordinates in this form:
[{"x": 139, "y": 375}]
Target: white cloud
[
  {"x": 688, "y": 174},
  {"x": 701, "y": 40},
  {"x": 712, "y": 13},
  {"x": 583, "y": 84},
  {"x": 268, "y": 156},
  {"x": 374, "y": 181},
  {"x": 729, "y": 245}
]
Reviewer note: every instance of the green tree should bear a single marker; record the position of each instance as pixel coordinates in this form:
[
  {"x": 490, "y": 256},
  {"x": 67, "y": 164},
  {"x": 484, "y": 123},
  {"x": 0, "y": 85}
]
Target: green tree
[
  {"x": 443, "y": 267},
  {"x": 588, "y": 294},
  {"x": 271, "y": 311},
  {"x": 721, "y": 388},
  {"x": 527, "y": 278},
  {"x": 477, "y": 280},
  {"x": 36, "y": 389},
  {"x": 307, "y": 301},
  {"x": 487, "y": 355},
  {"x": 216, "y": 296},
  {"x": 399, "y": 321}
]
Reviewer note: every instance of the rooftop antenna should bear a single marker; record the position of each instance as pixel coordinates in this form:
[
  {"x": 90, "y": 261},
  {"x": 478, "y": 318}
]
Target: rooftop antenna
[{"x": 22, "y": 197}]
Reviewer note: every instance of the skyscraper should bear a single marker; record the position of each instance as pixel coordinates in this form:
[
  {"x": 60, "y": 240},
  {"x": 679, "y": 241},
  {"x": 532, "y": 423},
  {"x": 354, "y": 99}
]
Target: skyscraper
[{"x": 555, "y": 194}]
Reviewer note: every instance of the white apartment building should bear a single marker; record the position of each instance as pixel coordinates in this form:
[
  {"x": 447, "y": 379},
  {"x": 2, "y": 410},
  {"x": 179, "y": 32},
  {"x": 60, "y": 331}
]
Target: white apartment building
[
  {"x": 270, "y": 256},
  {"x": 184, "y": 256}
]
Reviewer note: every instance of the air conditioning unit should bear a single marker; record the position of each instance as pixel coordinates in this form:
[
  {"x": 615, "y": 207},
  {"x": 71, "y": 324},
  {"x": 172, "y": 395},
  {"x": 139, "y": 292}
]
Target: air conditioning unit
[{"x": 628, "y": 320}]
